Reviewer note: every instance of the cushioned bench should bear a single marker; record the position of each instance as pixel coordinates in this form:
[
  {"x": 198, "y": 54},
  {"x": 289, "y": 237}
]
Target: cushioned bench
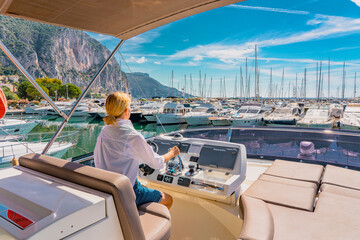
[
  {"x": 295, "y": 170},
  {"x": 285, "y": 194},
  {"x": 149, "y": 221},
  {"x": 336, "y": 214},
  {"x": 341, "y": 177}
]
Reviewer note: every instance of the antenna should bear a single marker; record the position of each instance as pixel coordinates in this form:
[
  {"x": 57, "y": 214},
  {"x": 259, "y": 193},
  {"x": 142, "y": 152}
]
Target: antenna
[{"x": 200, "y": 93}]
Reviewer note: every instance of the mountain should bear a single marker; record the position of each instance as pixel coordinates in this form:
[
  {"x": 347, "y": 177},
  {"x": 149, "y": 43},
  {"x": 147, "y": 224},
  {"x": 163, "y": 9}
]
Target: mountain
[
  {"x": 69, "y": 55},
  {"x": 142, "y": 85}
]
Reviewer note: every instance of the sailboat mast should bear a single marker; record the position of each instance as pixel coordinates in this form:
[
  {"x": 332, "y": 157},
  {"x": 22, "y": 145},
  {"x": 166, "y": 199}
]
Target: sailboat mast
[
  {"x": 235, "y": 87},
  {"x": 241, "y": 84},
  {"x": 271, "y": 85},
  {"x": 172, "y": 82},
  {"x": 296, "y": 87},
  {"x": 224, "y": 88},
  {"x": 191, "y": 86},
  {"x": 343, "y": 83},
  {"x": 305, "y": 83},
  {"x": 282, "y": 84},
  {"x": 355, "y": 86},
  {"x": 185, "y": 86},
  {"x": 329, "y": 78},
  {"x": 257, "y": 89}
]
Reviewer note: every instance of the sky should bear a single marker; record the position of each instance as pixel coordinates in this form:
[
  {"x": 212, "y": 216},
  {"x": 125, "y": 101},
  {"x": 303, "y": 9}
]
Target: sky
[{"x": 290, "y": 35}]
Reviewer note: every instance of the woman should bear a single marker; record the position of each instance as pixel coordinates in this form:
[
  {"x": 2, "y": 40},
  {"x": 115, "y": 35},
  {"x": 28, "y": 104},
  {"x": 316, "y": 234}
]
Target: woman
[{"x": 120, "y": 148}]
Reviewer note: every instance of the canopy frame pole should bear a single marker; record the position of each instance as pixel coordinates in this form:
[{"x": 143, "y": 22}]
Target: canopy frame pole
[
  {"x": 83, "y": 94},
  {"x": 31, "y": 79}
]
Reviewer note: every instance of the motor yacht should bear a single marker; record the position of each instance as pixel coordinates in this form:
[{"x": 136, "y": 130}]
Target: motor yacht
[
  {"x": 317, "y": 116},
  {"x": 10, "y": 126},
  {"x": 288, "y": 115},
  {"x": 201, "y": 115},
  {"x": 173, "y": 114},
  {"x": 150, "y": 110},
  {"x": 351, "y": 117},
  {"x": 221, "y": 188},
  {"x": 11, "y": 149},
  {"x": 249, "y": 115}
]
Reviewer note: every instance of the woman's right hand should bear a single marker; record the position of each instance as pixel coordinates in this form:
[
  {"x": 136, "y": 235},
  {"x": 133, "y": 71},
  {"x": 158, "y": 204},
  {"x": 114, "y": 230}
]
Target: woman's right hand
[{"x": 175, "y": 151}]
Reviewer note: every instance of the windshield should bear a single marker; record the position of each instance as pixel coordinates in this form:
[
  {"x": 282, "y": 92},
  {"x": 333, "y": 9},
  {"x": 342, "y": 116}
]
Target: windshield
[{"x": 283, "y": 111}]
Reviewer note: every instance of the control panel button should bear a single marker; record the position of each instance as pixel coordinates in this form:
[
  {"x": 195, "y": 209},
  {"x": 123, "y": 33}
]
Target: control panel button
[
  {"x": 184, "y": 181},
  {"x": 160, "y": 177},
  {"x": 168, "y": 179}
]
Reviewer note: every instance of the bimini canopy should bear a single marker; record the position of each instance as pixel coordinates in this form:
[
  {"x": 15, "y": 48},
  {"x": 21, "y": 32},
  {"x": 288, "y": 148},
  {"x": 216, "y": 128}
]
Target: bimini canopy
[{"x": 119, "y": 18}]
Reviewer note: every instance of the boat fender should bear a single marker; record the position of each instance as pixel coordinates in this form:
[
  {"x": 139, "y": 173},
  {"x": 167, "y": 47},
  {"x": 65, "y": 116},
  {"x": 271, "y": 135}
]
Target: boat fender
[{"x": 14, "y": 162}]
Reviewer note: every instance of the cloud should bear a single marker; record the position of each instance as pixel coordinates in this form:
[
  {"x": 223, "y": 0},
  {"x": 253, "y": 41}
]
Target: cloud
[
  {"x": 344, "y": 48},
  {"x": 158, "y": 63},
  {"x": 101, "y": 37},
  {"x": 137, "y": 60},
  {"x": 279, "y": 10},
  {"x": 357, "y": 2},
  {"x": 324, "y": 27},
  {"x": 141, "y": 60}
]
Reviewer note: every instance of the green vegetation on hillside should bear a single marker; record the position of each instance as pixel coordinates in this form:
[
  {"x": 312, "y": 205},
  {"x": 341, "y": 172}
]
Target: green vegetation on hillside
[
  {"x": 8, "y": 94},
  {"x": 51, "y": 86}
]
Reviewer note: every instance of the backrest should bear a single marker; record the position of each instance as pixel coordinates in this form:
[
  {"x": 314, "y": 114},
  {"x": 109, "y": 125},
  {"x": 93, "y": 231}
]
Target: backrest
[{"x": 117, "y": 185}]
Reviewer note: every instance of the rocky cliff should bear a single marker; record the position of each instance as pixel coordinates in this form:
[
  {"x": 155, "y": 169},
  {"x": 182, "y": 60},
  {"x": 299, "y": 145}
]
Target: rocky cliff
[{"x": 67, "y": 54}]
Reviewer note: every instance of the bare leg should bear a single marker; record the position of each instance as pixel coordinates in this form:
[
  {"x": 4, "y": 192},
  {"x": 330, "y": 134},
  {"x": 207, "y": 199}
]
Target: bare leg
[{"x": 167, "y": 200}]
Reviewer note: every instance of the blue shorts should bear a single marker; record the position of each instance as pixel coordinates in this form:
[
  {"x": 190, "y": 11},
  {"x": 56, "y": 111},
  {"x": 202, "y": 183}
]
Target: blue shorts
[{"x": 146, "y": 195}]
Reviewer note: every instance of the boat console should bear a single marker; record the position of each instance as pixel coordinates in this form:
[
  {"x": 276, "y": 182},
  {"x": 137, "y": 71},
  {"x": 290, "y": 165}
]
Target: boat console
[{"x": 206, "y": 168}]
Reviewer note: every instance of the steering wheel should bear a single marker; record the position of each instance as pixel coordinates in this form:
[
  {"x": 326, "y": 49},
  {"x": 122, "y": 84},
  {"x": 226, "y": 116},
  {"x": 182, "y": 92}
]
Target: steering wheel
[
  {"x": 144, "y": 168},
  {"x": 153, "y": 145}
]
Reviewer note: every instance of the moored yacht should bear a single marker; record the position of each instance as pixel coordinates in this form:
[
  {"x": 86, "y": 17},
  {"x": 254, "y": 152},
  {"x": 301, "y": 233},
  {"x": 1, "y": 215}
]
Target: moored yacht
[
  {"x": 351, "y": 117},
  {"x": 201, "y": 115},
  {"x": 15, "y": 126},
  {"x": 288, "y": 115},
  {"x": 173, "y": 114},
  {"x": 317, "y": 116},
  {"x": 249, "y": 115}
]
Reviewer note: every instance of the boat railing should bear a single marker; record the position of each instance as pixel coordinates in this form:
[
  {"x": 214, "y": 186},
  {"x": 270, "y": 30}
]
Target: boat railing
[{"x": 66, "y": 137}]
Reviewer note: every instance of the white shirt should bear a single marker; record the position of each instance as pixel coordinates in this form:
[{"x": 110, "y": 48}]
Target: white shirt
[{"x": 120, "y": 148}]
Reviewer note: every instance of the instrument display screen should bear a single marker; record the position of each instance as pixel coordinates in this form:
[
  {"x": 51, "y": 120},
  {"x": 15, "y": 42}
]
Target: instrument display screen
[
  {"x": 164, "y": 146},
  {"x": 218, "y": 157},
  {"x": 195, "y": 149}
]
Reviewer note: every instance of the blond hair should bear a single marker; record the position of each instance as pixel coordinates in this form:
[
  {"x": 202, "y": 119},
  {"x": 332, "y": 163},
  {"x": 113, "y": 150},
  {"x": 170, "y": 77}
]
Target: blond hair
[{"x": 115, "y": 105}]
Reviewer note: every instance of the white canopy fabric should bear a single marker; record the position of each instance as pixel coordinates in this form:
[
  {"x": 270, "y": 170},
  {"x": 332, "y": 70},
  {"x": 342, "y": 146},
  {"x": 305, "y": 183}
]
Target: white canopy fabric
[{"x": 120, "y": 18}]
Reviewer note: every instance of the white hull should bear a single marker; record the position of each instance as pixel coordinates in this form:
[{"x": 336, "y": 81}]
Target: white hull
[
  {"x": 150, "y": 117},
  {"x": 345, "y": 126},
  {"x": 198, "y": 120},
  {"x": 9, "y": 150},
  {"x": 30, "y": 110},
  {"x": 246, "y": 122},
  {"x": 16, "y": 127},
  {"x": 316, "y": 125},
  {"x": 170, "y": 119},
  {"x": 221, "y": 122}
]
